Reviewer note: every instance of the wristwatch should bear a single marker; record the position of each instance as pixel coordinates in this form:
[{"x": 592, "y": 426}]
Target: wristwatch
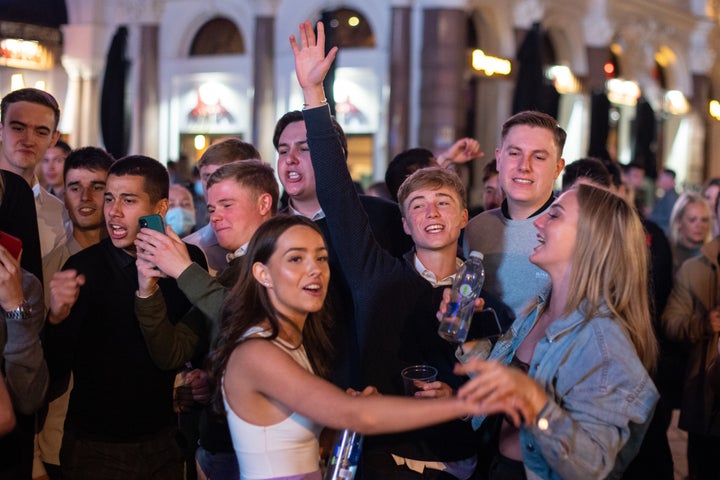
[{"x": 20, "y": 313}]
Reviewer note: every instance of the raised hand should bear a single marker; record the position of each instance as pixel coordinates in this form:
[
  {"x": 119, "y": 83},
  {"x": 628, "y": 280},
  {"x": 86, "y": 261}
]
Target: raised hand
[
  {"x": 462, "y": 151},
  {"x": 311, "y": 63}
]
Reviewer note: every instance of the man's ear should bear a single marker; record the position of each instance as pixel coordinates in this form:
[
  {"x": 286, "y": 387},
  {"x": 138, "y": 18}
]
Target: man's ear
[
  {"x": 464, "y": 218},
  {"x": 55, "y": 138},
  {"x": 161, "y": 207},
  {"x": 264, "y": 203},
  {"x": 405, "y": 225}
]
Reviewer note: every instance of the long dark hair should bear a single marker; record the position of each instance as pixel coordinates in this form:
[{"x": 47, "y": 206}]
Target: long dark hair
[{"x": 249, "y": 304}]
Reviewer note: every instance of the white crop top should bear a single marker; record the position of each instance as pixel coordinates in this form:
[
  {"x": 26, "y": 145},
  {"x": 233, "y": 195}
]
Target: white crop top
[{"x": 285, "y": 449}]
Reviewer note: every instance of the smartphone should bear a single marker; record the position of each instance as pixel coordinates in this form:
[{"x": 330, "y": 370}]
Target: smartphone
[
  {"x": 12, "y": 244},
  {"x": 154, "y": 222}
]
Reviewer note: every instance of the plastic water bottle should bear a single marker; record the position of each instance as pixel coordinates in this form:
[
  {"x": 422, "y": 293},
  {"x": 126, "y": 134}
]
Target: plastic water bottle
[
  {"x": 345, "y": 456},
  {"x": 468, "y": 282}
]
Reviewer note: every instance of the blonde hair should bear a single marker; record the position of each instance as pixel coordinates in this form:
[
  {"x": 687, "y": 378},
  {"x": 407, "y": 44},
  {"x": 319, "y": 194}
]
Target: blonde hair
[
  {"x": 678, "y": 212},
  {"x": 432, "y": 178},
  {"x": 610, "y": 267}
]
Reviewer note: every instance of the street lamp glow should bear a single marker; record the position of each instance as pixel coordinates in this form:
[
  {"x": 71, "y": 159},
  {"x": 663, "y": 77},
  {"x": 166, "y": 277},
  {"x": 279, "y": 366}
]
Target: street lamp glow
[{"x": 490, "y": 65}]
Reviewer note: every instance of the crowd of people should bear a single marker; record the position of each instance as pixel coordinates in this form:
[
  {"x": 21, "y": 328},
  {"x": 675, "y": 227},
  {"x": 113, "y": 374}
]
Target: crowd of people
[{"x": 230, "y": 348}]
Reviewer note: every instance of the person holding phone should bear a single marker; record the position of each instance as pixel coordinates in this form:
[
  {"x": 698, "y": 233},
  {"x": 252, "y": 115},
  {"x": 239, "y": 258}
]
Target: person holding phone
[
  {"x": 241, "y": 196},
  {"x": 120, "y": 422}
]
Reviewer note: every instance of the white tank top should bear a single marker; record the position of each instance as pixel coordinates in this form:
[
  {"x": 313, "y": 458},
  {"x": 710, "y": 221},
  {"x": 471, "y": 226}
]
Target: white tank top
[{"x": 284, "y": 449}]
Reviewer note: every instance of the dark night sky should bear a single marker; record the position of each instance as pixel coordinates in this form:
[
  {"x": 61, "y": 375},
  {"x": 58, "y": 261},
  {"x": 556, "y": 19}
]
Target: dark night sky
[{"x": 48, "y": 13}]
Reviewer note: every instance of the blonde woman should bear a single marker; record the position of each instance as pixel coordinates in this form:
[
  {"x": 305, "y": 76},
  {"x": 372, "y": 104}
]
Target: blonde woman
[
  {"x": 575, "y": 369},
  {"x": 690, "y": 227},
  {"x": 692, "y": 317}
]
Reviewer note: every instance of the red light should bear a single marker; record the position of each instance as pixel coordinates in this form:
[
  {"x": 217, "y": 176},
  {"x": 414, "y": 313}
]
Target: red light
[{"x": 609, "y": 69}]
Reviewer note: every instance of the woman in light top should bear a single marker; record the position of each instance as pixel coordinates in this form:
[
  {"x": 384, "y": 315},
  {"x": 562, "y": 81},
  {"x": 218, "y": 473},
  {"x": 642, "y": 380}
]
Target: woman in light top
[
  {"x": 574, "y": 368},
  {"x": 274, "y": 354}
]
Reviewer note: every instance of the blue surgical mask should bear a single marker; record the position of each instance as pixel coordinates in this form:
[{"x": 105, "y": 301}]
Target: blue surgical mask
[
  {"x": 181, "y": 220},
  {"x": 198, "y": 188}
]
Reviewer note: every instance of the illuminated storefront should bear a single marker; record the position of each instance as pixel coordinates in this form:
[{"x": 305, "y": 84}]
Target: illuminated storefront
[{"x": 28, "y": 58}]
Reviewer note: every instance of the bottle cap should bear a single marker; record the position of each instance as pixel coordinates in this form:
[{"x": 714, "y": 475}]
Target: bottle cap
[{"x": 477, "y": 254}]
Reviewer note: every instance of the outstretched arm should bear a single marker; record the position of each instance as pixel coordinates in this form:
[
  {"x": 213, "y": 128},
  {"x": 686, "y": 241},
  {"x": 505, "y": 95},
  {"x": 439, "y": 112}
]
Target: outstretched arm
[{"x": 253, "y": 369}]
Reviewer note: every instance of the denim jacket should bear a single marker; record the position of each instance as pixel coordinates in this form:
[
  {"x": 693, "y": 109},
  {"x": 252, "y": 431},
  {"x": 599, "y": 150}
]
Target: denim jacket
[{"x": 600, "y": 397}]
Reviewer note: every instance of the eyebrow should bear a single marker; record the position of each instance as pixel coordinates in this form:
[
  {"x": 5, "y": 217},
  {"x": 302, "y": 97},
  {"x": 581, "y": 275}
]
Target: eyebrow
[
  {"x": 286, "y": 144},
  {"x": 435, "y": 195},
  {"x": 92, "y": 182},
  {"x": 536, "y": 150},
  {"x": 122, "y": 195},
  {"x": 25, "y": 125},
  {"x": 304, "y": 249},
  {"x": 223, "y": 200}
]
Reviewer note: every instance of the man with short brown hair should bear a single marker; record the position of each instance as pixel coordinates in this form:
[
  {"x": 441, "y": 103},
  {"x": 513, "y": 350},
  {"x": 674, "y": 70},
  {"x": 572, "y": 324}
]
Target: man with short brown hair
[{"x": 28, "y": 127}]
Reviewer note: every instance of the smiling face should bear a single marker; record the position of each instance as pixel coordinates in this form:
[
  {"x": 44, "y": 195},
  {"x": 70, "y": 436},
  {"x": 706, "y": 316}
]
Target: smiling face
[
  {"x": 297, "y": 273},
  {"x": 294, "y": 166},
  {"x": 694, "y": 225},
  {"x": 528, "y": 163},
  {"x": 235, "y": 213},
  {"x": 125, "y": 202},
  {"x": 84, "y": 192},
  {"x": 434, "y": 218},
  {"x": 557, "y": 234},
  {"x": 27, "y": 131}
]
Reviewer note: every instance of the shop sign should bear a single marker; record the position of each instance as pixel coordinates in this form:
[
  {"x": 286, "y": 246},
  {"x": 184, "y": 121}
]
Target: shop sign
[{"x": 30, "y": 54}]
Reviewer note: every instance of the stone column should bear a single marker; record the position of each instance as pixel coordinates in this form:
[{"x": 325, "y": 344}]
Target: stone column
[
  {"x": 143, "y": 136},
  {"x": 706, "y": 140},
  {"x": 599, "y": 35},
  {"x": 399, "y": 103},
  {"x": 263, "y": 115},
  {"x": 443, "y": 65},
  {"x": 84, "y": 61}
]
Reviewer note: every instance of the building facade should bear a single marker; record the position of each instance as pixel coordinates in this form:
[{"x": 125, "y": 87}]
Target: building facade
[{"x": 634, "y": 77}]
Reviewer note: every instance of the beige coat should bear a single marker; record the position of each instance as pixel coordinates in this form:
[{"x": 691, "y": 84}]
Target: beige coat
[{"x": 685, "y": 319}]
